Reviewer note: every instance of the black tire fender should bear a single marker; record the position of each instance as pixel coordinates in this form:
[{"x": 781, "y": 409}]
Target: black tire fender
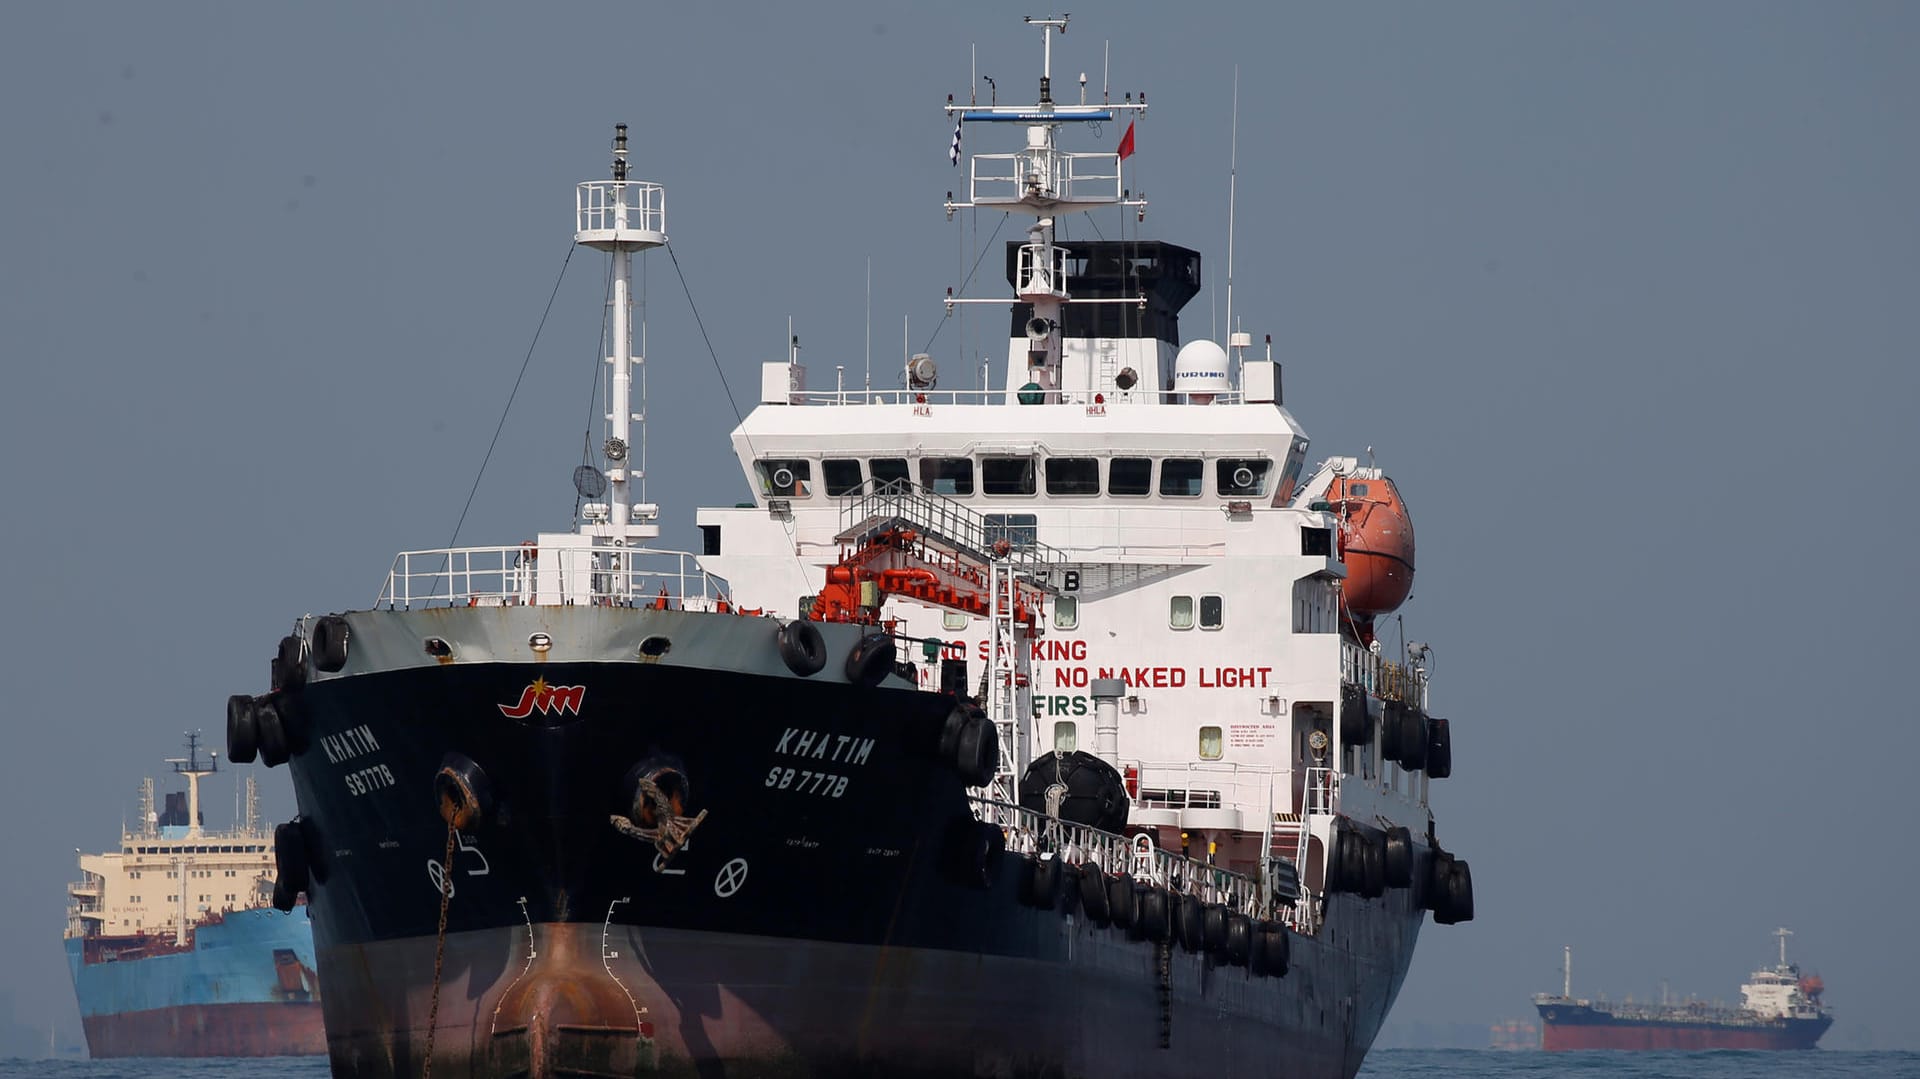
[
  {"x": 1439, "y": 749},
  {"x": 1413, "y": 740},
  {"x": 1399, "y": 859},
  {"x": 1046, "y": 881},
  {"x": 871, "y": 660},
  {"x": 1156, "y": 914},
  {"x": 290, "y": 867},
  {"x": 802, "y": 648},
  {"x": 329, "y": 643},
  {"x": 243, "y": 733},
  {"x": 1213, "y": 928},
  {"x": 1239, "y": 939},
  {"x": 290, "y": 664},
  {"x": 977, "y": 751},
  {"x": 1093, "y": 894},
  {"x": 1373, "y": 847},
  {"x": 1123, "y": 907},
  {"x": 270, "y": 732}
]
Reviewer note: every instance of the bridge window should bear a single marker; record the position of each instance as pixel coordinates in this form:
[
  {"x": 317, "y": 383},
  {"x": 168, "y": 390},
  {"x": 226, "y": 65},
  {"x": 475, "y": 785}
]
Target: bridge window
[
  {"x": 1241, "y": 477},
  {"x": 1007, "y": 475},
  {"x": 842, "y": 476},
  {"x": 1180, "y": 612},
  {"x": 1130, "y": 476},
  {"x": 1073, "y": 476},
  {"x": 885, "y": 470},
  {"x": 1066, "y": 612},
  {"x": 1181, "y": 477},
  {"x": 1211, "y": 748},
  {"x": 947, "y": 475},
  {"x": 1210, "y": 612},
  {"x": 785, "y": 477},
  {"x": 1316, "y": 542}
]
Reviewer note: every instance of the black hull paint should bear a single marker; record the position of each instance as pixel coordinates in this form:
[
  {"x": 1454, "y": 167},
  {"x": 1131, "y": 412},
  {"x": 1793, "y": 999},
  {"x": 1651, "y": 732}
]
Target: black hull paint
[{"x": 691, "y": 966}]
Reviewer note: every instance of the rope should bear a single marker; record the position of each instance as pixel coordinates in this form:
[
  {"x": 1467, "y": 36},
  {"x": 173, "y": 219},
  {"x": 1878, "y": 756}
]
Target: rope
[
  {"x": 439, "y": 949},
  {"x": 495, "y": 441}
]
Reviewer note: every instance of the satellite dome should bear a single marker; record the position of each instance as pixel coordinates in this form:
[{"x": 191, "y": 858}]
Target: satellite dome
[{"x": 1201, "y": 367}]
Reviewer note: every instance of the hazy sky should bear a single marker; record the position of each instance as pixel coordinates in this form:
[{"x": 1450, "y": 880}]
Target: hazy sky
[{"x": 1623, "y": 295}]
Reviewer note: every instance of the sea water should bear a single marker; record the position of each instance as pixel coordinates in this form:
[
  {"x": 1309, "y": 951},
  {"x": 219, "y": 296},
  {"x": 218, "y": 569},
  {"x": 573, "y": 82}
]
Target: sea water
[{"x": 1381, "y": 1064}]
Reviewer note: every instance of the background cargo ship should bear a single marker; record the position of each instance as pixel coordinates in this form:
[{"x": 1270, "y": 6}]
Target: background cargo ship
[
  {"x": 172, "y": 945},
  {"x": 1780, "y": 1009}
]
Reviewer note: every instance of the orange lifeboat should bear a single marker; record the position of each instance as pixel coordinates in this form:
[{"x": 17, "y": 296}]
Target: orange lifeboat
[{"x": 1376, "y": 538}]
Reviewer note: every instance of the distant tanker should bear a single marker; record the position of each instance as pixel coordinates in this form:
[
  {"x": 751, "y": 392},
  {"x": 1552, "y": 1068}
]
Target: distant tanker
[{"x": 1780, "y": 1009}]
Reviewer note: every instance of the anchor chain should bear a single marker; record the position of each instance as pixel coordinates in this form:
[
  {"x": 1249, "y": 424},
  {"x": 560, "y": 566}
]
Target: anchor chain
[
  {"x": 1164, "y": 989},
  {"x": 440, "y": 944}
]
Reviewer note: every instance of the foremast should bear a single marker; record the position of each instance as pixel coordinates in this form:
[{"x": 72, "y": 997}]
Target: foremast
[
  {"x": 621, "y": 216},
  {"x": 1044, "y": 182}
]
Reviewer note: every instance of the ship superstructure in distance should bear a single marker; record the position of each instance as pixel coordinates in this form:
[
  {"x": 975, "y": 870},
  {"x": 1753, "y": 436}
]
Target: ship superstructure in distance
[
  {"x": 1041, "y": 728},
  {"x": 172, "y": 942},
  {"x": 1780, "y": 1008}
]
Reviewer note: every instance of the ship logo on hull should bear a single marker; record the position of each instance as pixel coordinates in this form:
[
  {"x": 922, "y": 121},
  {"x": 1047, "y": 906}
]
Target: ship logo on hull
[{"x": 545, "y": 699}]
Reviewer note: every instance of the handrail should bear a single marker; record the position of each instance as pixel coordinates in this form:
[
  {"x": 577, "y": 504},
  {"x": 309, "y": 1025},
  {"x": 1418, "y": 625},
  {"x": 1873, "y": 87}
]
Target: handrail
[
  {"x": 1028, "y": 832},
  {"x": 899, "y": 396},
  {"x": 584, "y": 576},
  {"x": 1382, "y": 677}
]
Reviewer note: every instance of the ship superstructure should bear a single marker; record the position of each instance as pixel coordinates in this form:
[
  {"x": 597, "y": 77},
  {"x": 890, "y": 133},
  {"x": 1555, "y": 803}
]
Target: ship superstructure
[
  {"x": 1040, "y": 728},
  {"x": 172, "y": 943},
  {"x": 1780, "y": 1008}
]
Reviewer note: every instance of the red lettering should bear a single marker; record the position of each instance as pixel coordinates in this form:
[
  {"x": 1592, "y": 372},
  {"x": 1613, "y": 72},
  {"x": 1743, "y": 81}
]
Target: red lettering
[{"x": 521, "y": 710}]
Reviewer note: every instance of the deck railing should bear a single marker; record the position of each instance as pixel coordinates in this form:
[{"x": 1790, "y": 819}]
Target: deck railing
[
  {"x": 1028, "y": 832},
  {"x": 526, "y": 575},
  {"x": 1382, "y": 677}
]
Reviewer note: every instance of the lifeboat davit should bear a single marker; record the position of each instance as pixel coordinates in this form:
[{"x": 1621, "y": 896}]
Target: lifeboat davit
[{"x": 1376, "y": 538}]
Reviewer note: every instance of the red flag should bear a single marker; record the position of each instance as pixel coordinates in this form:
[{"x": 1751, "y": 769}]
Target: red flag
[{"x": 1126, "y": 143}]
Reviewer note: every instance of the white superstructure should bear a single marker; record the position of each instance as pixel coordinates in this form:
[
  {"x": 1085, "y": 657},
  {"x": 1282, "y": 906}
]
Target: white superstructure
[
  {"x": 170, "y": 871},
  {"x": 1162, "y": 491}
]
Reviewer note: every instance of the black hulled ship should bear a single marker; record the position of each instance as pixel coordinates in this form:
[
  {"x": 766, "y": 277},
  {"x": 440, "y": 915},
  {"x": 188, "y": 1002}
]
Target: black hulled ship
[{"x": 569, "y": 807}]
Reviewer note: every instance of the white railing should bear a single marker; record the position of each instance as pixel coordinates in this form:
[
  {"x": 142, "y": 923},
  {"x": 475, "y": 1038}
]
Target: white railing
[
  {"x": 1028, "y": 832},
  {"x": 1109, "y": 396},
  {"x": 514, "y": 576},
  {"x": 1048, "y": 174},
  {"x": 1211, "y": 785},
  {"x": 620, "y": 206},
  {"x": 1382, "y": 677}
]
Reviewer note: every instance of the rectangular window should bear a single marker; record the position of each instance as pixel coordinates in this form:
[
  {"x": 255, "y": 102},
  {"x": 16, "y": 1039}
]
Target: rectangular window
[
  {"x": 1180, "y": 613},
  {"x": 1316, "y": 541},
  {"x": 953, "y": 620},
  {"x": 1241, "y": 477},
  {"x": 1066, "y": 736},
  {"x": 785, "y": 477},
  {"x": 1210, "y": 745},
  {"x": 886, "y": 470},
  {"x": 947, "y": 475},
  {"x": 1180, "y": 477},
  {"x": 1019, "y": 529},
  {"x": 1006, "y": 475},
  {"x": 1066, "y": 612},
  {"x": 1130, "y": 476},
  {"x": 1073, "y": 476},
  {"x": 1210, "y": 612},
  {"x": 842, "y": 476}
]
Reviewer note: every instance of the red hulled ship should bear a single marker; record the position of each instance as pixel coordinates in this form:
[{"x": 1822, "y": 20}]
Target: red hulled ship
[{"x": 1780, "y": 1008}]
